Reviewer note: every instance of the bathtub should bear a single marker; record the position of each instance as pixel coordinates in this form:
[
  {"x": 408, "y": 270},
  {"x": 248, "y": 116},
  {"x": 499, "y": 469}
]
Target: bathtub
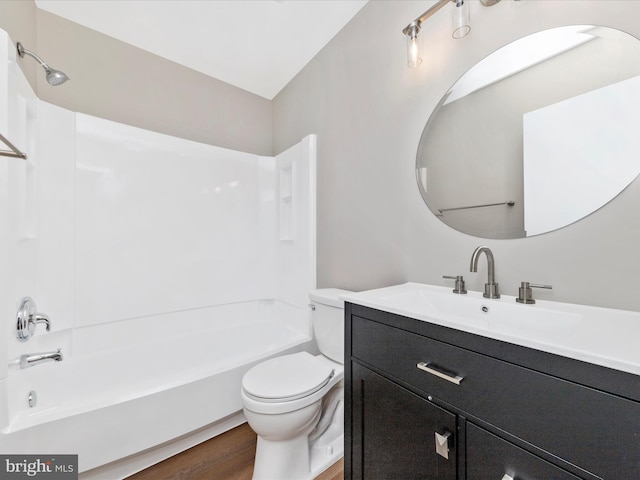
[{"x": 138, "y": 385}]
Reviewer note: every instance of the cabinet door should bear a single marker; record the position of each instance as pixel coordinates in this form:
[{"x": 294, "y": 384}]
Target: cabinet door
[
  {"x": 396, "y": 433},
  {"x": 492, "y": 458}
]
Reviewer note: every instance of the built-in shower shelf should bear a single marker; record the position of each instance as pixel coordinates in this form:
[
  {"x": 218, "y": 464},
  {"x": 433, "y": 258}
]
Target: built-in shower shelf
[{"x": 286, "y": 216}]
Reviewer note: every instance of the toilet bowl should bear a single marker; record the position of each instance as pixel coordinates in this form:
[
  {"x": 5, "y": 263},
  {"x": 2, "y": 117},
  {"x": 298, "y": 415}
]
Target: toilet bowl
[{"x": 294, "y": 403}]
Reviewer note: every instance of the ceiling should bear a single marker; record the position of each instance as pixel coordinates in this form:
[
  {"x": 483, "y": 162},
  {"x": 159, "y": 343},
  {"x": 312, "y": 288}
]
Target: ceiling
[{"x": 256, "y": 45}]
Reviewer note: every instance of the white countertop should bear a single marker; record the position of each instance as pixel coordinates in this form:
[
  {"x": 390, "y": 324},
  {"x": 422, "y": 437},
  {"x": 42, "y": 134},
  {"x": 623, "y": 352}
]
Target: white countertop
[{"x": 602, "y": 336}]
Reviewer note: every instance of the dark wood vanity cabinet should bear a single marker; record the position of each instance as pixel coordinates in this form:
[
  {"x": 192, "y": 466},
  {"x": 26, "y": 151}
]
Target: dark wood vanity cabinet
[
  {"x": 395, "y": 429},
  {"x": 425, "y": 401}
]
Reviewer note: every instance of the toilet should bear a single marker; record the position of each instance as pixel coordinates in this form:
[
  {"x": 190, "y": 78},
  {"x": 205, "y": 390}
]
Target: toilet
[{"x": 294, "y": 402}]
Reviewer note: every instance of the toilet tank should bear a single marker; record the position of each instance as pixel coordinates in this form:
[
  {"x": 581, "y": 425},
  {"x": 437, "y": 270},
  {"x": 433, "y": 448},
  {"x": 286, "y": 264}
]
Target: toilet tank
[{"x": 327, "y": 317}]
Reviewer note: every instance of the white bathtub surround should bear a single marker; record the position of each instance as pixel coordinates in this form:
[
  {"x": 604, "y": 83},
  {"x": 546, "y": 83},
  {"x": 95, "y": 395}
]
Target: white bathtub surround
[
  {"x": 162, "y": 266},
  {"x": 18, "y": 114}
]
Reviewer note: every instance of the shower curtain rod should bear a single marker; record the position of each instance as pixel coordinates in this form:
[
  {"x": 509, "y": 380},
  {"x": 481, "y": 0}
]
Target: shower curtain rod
[{"x": 15, "y": 153}]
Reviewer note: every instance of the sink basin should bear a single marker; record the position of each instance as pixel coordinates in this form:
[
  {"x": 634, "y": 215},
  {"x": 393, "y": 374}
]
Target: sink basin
[
  {"x": 603, "y": 336},
  {"x": 441, "y": 305}
]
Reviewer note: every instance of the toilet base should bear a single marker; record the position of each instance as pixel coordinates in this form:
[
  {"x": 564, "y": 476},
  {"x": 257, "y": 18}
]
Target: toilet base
[
  {"x": 328, "y": 448},
  {"x": 324, "y": 457},
  {"x": 286, "y": 460},
  {"x": 297, "y": 458}
]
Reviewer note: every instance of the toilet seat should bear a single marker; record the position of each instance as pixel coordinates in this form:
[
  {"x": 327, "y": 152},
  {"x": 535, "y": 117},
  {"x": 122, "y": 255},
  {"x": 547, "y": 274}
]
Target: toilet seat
[{"x": 286, "y": 378}]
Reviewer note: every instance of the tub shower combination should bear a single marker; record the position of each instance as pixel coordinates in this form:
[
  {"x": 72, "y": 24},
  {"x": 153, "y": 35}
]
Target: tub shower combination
[
  {"x": 163, "y": 270},
  {"x": 107, "y": 402}
]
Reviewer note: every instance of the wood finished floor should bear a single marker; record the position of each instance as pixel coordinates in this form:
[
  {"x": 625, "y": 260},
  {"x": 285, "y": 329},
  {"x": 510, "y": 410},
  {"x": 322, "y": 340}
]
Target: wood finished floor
[{"x": 226, "y": 457}]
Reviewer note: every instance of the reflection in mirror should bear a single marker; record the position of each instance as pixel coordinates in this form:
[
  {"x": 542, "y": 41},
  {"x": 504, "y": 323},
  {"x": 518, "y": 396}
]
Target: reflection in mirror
[{"x": 537, "y": 135}]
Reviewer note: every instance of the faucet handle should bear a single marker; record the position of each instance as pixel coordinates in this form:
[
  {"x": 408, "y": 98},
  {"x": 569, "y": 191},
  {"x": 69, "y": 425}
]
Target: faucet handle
[
  {"x": 459, "y": 287},
  {"x": 525, "y": 294},
  {"x": 42, "y": 318},
  {"x": 28, "y": 318}
]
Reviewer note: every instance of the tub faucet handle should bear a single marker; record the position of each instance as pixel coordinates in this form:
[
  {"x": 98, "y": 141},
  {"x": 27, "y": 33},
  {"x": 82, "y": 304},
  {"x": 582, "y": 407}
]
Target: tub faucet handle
[
  {"x": 459, "y": 286},
  {"x": 42, "y": 318},
  {"x": 28, "y": 318}
]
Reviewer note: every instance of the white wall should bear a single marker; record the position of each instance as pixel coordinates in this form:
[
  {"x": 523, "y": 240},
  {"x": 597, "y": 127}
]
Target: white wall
[{"x": 369, "y": 111}]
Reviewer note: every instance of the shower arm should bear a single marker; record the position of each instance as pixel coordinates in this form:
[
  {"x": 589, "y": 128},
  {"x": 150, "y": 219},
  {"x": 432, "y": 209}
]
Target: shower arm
[{"x": 23, "y": 51}]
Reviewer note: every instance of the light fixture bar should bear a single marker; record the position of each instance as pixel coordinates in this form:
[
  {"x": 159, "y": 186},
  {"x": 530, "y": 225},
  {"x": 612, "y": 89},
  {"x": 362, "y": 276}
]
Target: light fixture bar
[
  {"x": 441, "y": 3},
  {"x": 460, "y": 26},
  {"x": 418, "y": 21}
]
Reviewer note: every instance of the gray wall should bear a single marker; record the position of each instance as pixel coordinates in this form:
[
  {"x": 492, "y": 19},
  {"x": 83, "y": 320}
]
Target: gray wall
[
  {"x": 114, "y": 80},
  {"x": 369, "y": 110}
]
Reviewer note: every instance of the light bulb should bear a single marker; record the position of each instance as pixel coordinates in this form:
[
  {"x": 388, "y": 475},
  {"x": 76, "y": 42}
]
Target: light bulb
[{"x": 413, "y": 46}]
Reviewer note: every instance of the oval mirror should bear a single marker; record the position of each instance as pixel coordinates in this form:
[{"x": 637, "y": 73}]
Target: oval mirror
[{"x": 536, "y": 136}]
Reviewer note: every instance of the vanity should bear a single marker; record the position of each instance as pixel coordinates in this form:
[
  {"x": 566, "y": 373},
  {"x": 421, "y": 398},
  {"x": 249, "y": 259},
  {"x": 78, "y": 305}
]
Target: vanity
[
  {"x": 450, "y": 385},
  {"x": 446, "y": 386}
]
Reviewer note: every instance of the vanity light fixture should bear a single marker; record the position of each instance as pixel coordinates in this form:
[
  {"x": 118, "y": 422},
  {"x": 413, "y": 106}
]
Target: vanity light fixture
[{"x": 460, "y": 23}]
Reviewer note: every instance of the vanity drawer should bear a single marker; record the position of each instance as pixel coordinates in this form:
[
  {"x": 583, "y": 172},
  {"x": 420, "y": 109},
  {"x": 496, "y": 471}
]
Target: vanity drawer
[
  {"x": 490, "y": 457},
  {"x": 554, "y": 415}
]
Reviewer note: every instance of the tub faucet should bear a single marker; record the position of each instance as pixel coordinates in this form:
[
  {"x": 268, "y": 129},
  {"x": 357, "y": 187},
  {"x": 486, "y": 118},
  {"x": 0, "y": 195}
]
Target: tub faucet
[
  {"x": 28, "y": 318},
  {"x": 33, "y": 359},
  {"x": 491, "y": 287}
]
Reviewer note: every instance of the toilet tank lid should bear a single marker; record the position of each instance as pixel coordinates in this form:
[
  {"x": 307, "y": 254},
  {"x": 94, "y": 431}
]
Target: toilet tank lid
[{"x": 328, "y": 296}]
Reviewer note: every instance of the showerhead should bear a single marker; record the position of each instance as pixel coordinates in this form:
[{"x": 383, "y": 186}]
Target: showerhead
[{"x": 54, "y": 77}]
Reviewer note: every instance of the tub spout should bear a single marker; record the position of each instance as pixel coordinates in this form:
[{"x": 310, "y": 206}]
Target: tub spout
[{"x": 33, "y": 359}]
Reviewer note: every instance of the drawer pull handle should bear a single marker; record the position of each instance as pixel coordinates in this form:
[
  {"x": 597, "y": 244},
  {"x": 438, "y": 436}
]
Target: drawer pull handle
[{"x": 449, "y": 377}]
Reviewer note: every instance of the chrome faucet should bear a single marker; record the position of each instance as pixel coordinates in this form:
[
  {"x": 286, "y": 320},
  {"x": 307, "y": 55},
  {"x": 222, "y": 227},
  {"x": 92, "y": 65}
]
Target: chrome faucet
[
  {"x": 28, "y": 318},
  {"x": 33, "y": 359},
  {"x": 491, "y": 287}
]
